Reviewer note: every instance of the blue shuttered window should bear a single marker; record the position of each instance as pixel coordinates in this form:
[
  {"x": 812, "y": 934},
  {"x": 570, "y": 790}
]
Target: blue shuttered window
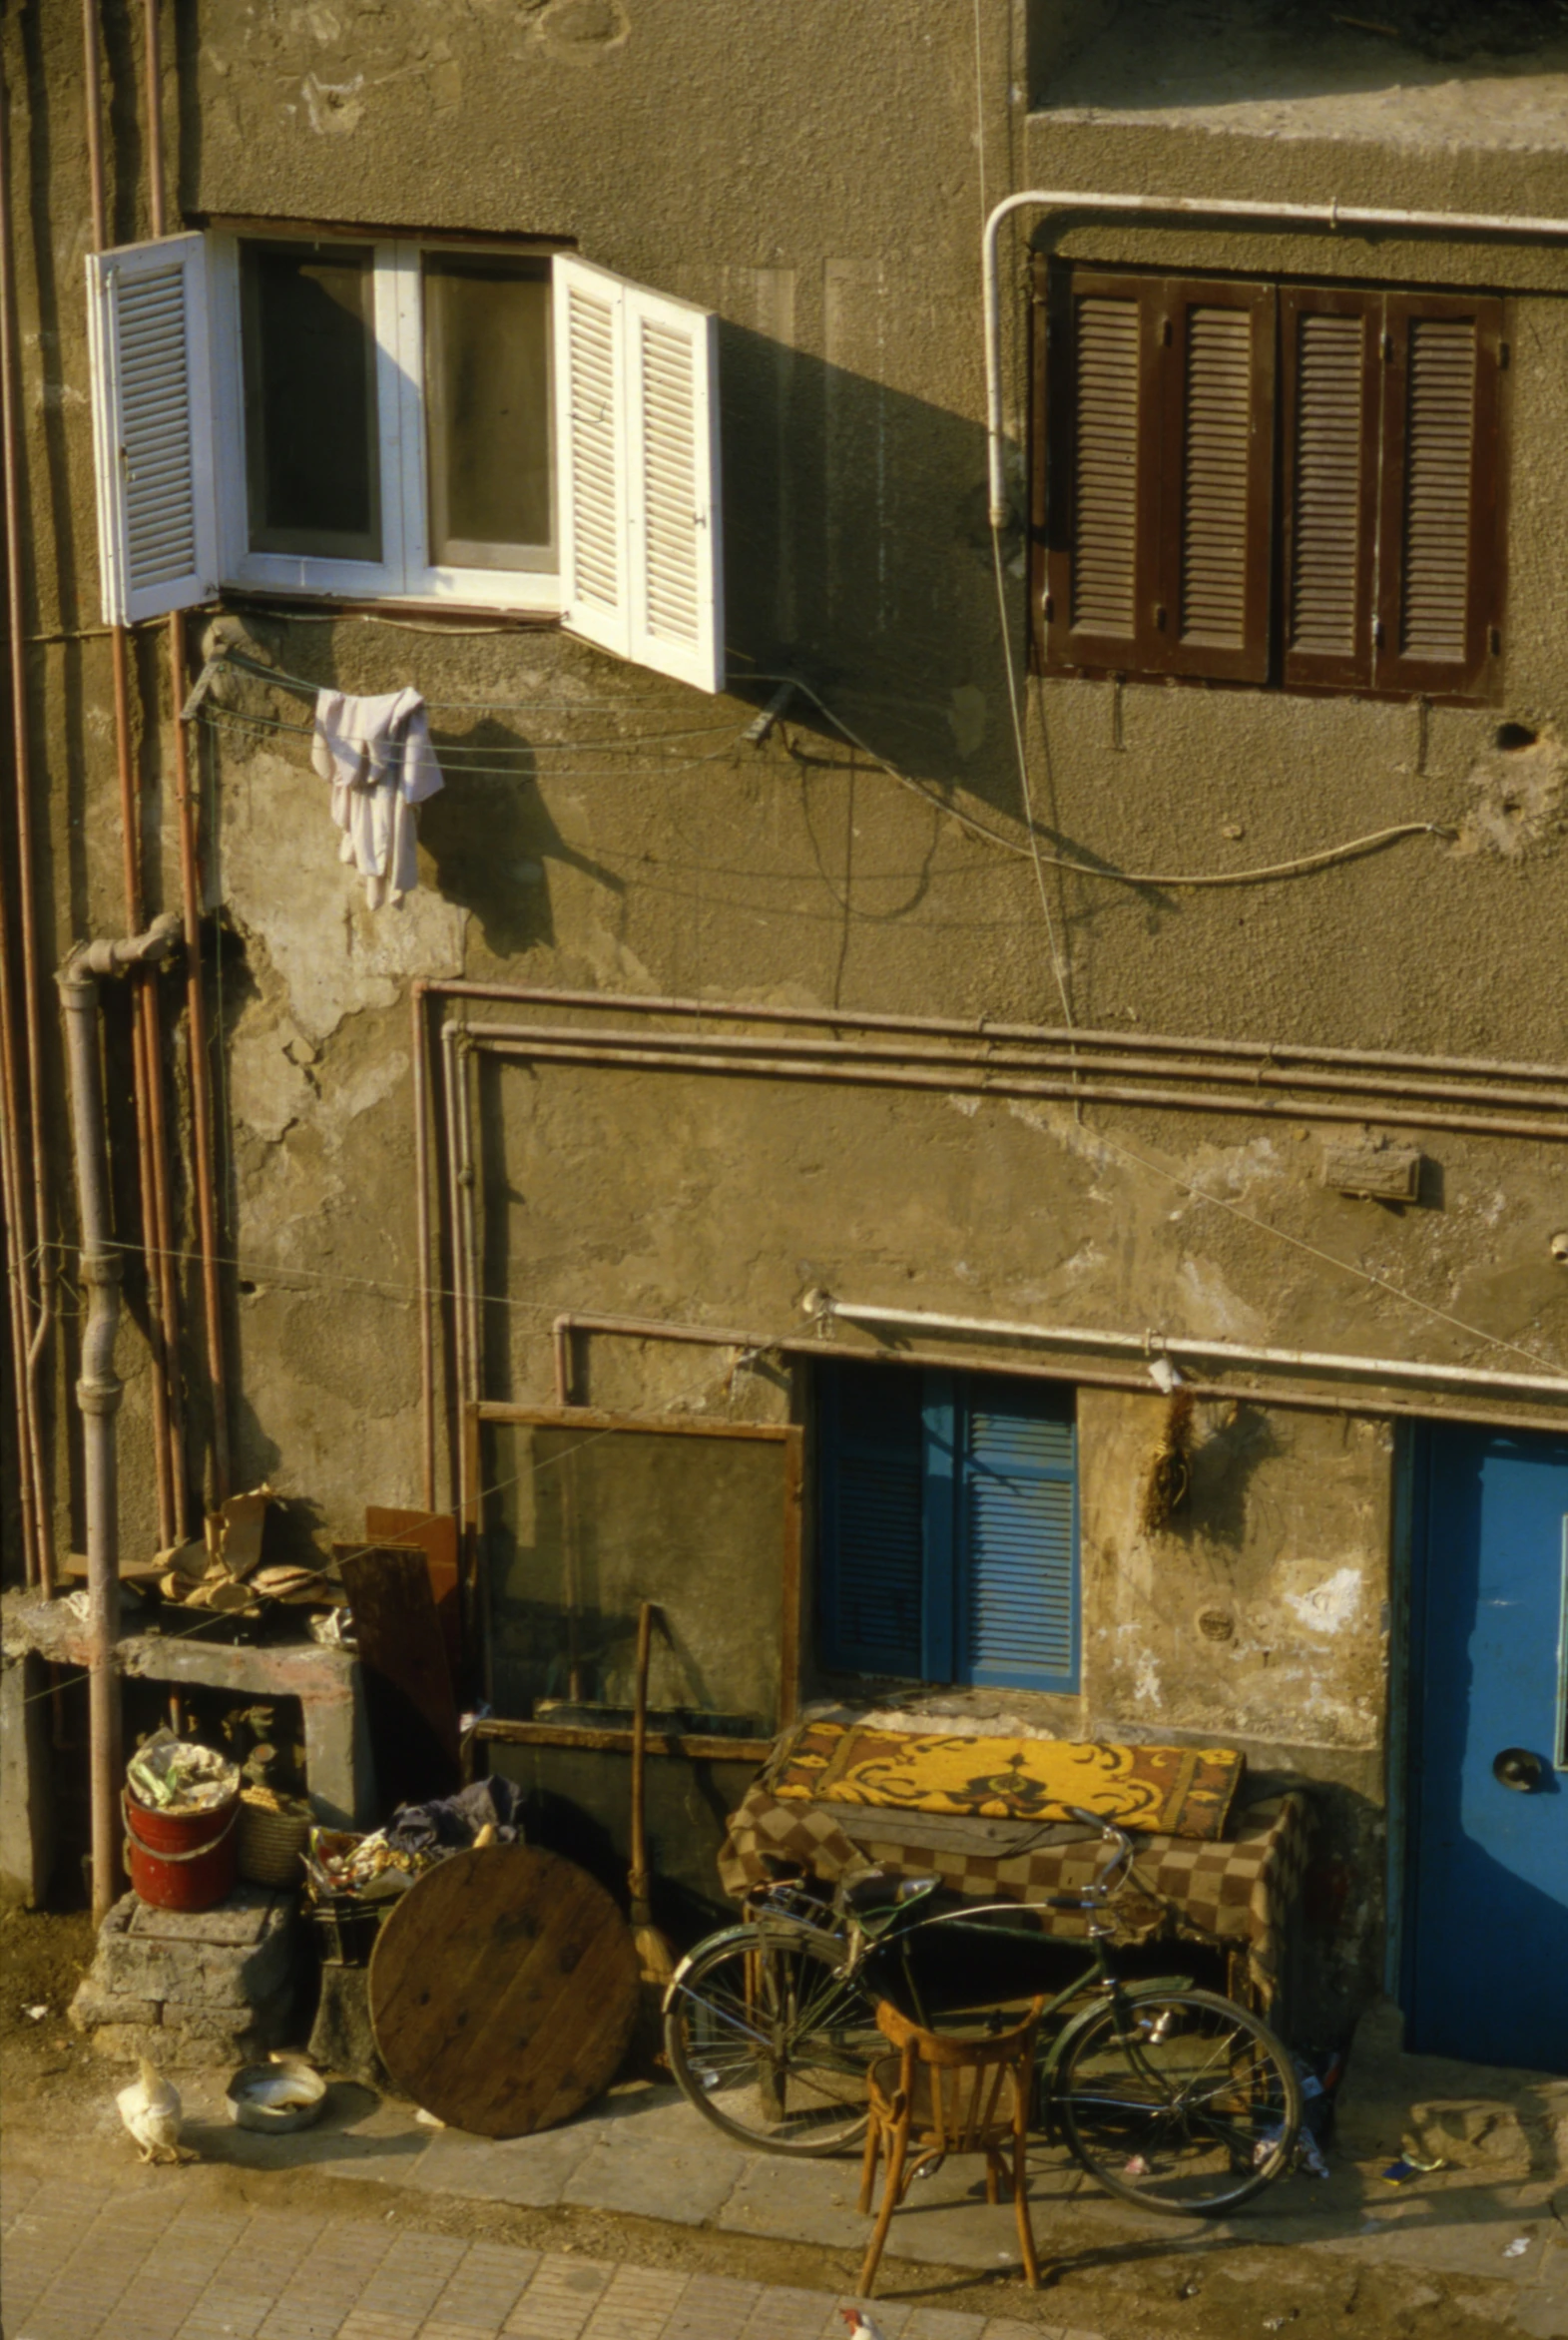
[
  {"x": 949, "y": 1527},
  {"x": 872, "y": 1507}
]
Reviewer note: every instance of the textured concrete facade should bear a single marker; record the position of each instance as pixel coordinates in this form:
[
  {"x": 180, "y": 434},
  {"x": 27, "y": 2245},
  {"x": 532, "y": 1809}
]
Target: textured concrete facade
[{"x": 818, "y": 177}]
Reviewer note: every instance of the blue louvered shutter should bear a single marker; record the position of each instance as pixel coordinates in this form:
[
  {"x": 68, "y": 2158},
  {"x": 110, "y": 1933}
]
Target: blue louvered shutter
[
  {"x": 1017, "y": 1573},
  {"x": 872, "y": 1544}
]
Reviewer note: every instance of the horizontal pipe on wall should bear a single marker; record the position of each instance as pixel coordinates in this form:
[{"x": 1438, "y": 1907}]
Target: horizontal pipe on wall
[
  {"x": 992, "y": 1059},
  {"x": 1387, "y": 1369},
  {"x": 548, "y": 1044},
  {"x": 1332, "y": 216},
  {"x": 983, "y": 1029},
  {"x": 1369, "y": 1407}
]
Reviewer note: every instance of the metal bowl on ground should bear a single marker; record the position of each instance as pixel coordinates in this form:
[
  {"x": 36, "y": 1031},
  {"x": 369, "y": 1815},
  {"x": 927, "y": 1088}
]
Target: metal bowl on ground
[{"x": 277, "y": 2098}]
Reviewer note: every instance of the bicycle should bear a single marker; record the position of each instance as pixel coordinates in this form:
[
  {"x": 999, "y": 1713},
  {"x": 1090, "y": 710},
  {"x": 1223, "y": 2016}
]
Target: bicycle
[{"x": 1172, "y": 2096}]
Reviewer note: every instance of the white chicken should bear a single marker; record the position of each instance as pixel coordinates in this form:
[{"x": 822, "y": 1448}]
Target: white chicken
[
  {"x": 150, "y": 2108},
  {"x": 860, "y": 2327}
]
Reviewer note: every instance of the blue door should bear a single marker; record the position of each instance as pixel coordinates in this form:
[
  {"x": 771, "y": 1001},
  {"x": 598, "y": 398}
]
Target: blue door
[{"x": 1486, "y": 1916}]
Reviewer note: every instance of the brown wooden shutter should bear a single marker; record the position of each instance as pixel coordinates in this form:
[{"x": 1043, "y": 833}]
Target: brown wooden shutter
[
  {"x": 1439, "y": 550},
  {"x": 1104, "y": 517},
  {"x": 1330, "y": 403},
  {"x": 1212, "y": 597}
]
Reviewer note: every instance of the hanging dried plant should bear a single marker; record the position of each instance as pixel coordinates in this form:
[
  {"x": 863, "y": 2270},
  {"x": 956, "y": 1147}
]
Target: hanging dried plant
[{"x": 1170, "y": 1468}]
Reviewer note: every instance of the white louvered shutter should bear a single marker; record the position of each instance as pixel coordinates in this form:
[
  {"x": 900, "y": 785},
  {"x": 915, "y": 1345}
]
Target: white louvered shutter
[
  {"x": 638, "y": 421},
  {"x": 152, "y": 427}
]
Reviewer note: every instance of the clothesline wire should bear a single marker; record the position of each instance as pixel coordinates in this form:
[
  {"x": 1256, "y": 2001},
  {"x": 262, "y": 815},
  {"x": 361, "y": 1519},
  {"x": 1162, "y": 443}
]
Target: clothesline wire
[
  {"x": 1300, "y": 865},
  {"x": 463, "y": 756}
]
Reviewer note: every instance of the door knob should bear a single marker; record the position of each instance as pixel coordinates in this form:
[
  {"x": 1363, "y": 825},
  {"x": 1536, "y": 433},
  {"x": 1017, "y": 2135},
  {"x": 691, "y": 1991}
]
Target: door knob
[{"x": 1517, "y": 1768}]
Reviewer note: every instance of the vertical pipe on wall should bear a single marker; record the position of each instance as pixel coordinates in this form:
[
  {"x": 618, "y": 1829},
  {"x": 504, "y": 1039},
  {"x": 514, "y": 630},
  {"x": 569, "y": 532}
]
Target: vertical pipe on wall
[
  {"x": 15, "y": 1263},
  {"x": 200, "y": 1072},
  {"x": 455, "y": 1155},
  {"x": 152, "y": 47},
  {"x": 418, "y": 1044},
  {"x": 28, "y": 1270},
  {"x": 97, "y": 1396},
  {"x": 144, "y": 1070},
  {"x": 99, "y": 1386}
]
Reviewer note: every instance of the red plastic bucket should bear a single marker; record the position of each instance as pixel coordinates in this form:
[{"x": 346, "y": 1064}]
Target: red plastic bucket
[{"x": 182, "y": 1860}]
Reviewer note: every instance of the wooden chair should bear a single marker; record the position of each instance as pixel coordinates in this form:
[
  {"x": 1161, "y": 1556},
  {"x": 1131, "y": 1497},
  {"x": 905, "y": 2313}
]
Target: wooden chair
[{"x": 944, "y": 2095}]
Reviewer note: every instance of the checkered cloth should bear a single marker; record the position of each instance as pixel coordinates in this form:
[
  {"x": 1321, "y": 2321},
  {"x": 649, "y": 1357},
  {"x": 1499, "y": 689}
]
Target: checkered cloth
[{"x": 1239, "y": 1894}]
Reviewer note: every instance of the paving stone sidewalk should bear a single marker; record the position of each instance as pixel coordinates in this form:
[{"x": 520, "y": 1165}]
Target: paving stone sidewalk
[{"x": 136, "y": 2262}]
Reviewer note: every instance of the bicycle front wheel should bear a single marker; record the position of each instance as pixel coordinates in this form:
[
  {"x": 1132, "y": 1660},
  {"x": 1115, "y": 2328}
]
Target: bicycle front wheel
[
  {"x": 771, "y": 2039},
  {"x": 1179, "y": 2100}
]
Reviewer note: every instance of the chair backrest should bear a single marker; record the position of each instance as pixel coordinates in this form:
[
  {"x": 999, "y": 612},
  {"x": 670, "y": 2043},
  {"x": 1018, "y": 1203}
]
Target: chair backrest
[{"x": 967, "y": 2076}]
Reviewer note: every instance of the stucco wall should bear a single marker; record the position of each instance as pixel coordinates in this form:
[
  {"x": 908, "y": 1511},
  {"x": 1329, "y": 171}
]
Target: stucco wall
[{"x": 816, "y": 176}]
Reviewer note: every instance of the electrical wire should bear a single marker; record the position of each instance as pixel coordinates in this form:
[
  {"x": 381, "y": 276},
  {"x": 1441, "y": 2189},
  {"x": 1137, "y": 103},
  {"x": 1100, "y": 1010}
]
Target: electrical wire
[{"x": 1176, "y": 877}]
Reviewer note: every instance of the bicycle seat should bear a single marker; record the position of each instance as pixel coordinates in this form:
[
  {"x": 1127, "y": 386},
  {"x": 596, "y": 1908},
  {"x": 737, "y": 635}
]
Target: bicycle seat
[{"x": 877, "y": 1890}]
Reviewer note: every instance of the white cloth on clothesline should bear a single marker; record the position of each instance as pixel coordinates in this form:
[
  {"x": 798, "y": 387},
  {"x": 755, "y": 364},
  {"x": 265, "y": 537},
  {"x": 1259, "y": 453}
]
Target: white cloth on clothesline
[{"x": 377, "y": 754}]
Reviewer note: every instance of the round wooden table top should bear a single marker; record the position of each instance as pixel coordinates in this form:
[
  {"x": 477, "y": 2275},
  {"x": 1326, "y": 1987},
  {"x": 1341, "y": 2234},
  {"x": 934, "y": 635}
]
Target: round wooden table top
[{"x": 504, "y": 1988}]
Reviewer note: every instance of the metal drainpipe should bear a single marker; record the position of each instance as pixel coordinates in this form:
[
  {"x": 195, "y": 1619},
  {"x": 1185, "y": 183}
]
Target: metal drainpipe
[
  {"x": 1332, "y": 216},
  {"x": 97, "y": 1389},
  {"x": 40, "y": 1538}
]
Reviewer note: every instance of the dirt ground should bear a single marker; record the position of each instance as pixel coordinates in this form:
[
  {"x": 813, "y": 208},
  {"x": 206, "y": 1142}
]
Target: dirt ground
[{"x": 56, "y": 2093}]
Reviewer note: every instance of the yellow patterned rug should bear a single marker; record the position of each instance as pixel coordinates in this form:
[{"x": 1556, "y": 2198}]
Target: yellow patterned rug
[{"x": 1169, "y": 1791}]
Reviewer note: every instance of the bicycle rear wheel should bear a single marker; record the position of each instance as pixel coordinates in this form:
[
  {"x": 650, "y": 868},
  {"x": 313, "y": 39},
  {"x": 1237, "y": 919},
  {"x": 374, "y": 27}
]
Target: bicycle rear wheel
[
  {"x": 770, "y": 2037},
  {"x": 1179, "y": 2100}
]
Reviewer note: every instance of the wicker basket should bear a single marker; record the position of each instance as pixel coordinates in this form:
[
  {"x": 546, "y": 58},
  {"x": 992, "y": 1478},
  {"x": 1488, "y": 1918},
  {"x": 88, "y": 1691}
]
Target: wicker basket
[{"x": 272, "y": 1843}]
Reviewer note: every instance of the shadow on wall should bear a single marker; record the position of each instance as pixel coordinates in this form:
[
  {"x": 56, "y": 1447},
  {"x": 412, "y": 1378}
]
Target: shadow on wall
[
  {"x": 857, "y": 547},
  {"x": 1136, "y": 55},
  {"x": 492, "y": 836}
]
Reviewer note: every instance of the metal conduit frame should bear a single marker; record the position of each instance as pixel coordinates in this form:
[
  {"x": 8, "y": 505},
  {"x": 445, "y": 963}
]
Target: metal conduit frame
[
  {"x": 1332, "y": 216},
  {"x": 863, "y": 1064}
]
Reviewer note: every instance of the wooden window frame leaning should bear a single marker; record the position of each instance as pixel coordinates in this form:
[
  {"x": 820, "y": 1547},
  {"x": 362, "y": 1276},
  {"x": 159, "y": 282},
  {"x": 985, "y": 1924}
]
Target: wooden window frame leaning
[
  {"x": 1370, "y": 659},
  {"x": 694, "y": 1747}
]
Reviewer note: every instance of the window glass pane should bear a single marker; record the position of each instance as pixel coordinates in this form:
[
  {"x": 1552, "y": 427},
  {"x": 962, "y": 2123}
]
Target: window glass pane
[
  {"x": 487, "y": 395},
  {"x": 308, "y": 314}
]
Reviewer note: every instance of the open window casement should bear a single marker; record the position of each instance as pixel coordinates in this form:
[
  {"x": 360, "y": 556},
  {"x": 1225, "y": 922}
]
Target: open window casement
[
  {"x": 636, "y": 413},
  {"x": 152, "y": 427}
]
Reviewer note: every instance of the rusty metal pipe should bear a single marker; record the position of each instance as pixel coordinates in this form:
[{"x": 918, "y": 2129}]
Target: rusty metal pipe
[
  {"x": 97, "y": 208},
  {"x": 549, "y": 1046},
  {"x": 37, "y": 1289},
  {"x": 199, "y": 1066},
  {"x": 983, "y": 1028},
  {"x": 98, "y": 1392},
  {"x": 130, "y": 873},
  {"x": 16, "y": 1284},
  {"x": 152, "y": 42},
  {"x": 1011, "y": 1059},
  {"x": 162, "y": 1259}
]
